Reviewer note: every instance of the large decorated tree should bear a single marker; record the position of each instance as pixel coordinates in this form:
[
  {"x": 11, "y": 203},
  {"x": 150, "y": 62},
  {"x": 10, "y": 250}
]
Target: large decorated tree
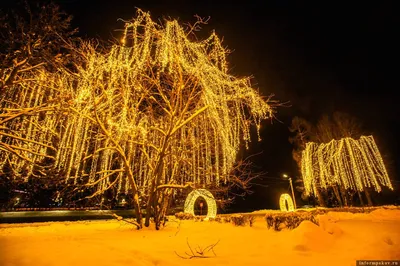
[{"x": 157, "y": 112}]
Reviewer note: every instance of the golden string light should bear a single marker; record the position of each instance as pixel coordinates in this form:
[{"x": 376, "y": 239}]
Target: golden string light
[
  {"x": 286, "y": 199},
  {"x": 160, "y": 102},
  {"x": 354, "y": 164},
  {"x": 29, "y": 116},
  {"x": 209, "y": 198}
]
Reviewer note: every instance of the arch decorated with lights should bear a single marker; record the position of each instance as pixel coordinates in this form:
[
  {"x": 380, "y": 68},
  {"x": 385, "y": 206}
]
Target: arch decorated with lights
[
  {"x": 209, "y": 198},
  {"x": 282, "y": 202}
]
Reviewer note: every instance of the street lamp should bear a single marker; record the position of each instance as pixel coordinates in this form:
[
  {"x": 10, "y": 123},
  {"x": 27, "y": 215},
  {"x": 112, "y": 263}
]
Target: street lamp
[{"x": 291, "y": 186}]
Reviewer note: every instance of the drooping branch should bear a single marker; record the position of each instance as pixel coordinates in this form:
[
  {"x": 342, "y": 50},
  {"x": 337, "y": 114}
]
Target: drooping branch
[
  {"x": 175, "y": 186},
  {"x": 199, "y": 253}
]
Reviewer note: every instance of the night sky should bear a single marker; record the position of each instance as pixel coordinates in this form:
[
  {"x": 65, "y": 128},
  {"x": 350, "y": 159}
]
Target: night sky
[{"x": 318, "y": 58}]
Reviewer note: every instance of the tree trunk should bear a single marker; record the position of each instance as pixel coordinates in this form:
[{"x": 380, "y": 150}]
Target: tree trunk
[
  {"x": 369, "y": 200},
  {"x": 157, "y": 207},
  {"x": 138, "y": 212},
  {"x": 135, "y": 200},
  {"x": 152, "y": 201},
  {"x": 351, "y": 198},
  {"x": 320, "y": 198},
  {"x": 162, "y": 208},
  {"x": 360, "y": 196},
  {"x": 343, "y": 193},
  {"x": 149, "y": 207},
  {"x": 337, "y": 195}
]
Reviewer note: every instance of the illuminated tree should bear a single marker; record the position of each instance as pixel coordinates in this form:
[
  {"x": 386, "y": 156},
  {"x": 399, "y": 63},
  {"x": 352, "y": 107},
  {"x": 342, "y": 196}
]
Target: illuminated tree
[
  {"x": 339, "y": 125},
  {"x": 158, "y": 113},
  {"x": 353, "y": 164}
]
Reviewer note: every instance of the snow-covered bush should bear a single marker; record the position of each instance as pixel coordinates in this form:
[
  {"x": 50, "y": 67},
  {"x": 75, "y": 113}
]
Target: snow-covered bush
[
  {"x": 242, "y": 220},
  {"x": 291, "y": 220},
  {"x": 184, "y": 216},
  {"x": 216, "y": 219},
  {"x": 251, "y": 220},
  {"x": 345, "y": 209},
  {"x": 238, "y": 219},
  {"x": 227, "y": 219}
]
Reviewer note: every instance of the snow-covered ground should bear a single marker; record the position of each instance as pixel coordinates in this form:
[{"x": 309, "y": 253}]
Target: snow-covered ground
[{"x": 341, "y": 239}]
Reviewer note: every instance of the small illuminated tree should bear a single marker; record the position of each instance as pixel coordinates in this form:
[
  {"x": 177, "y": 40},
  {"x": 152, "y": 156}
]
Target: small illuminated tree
[
  {"x": 158, "y": 113},
  {"x": 354, "y": 164}
]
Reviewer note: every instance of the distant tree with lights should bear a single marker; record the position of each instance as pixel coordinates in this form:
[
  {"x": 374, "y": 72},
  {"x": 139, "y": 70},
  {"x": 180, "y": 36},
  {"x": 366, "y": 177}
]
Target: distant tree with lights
[
  {"x": 156, "y": 113},
  {"x": 340, "y": 125},
  {"x": 350, "y": 163},
  {"x": 327, "y": 138}
]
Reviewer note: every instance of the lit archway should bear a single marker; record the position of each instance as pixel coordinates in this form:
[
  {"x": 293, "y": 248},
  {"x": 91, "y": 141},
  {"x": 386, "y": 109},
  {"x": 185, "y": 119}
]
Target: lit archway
[
  {"x": 286, "y": 198},
  {"x": 209, "y": 198}
]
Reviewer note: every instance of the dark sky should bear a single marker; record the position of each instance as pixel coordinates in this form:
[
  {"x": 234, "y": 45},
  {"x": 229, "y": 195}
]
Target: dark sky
[{"x": 321, "y": 58}]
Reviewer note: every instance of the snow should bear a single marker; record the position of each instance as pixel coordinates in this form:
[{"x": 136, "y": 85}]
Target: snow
[{"x": 340, "y": 239}]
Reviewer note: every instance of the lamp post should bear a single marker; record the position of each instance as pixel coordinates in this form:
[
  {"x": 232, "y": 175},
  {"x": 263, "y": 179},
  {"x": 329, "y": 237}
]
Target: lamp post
[{"x": 291, "y": 186}]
